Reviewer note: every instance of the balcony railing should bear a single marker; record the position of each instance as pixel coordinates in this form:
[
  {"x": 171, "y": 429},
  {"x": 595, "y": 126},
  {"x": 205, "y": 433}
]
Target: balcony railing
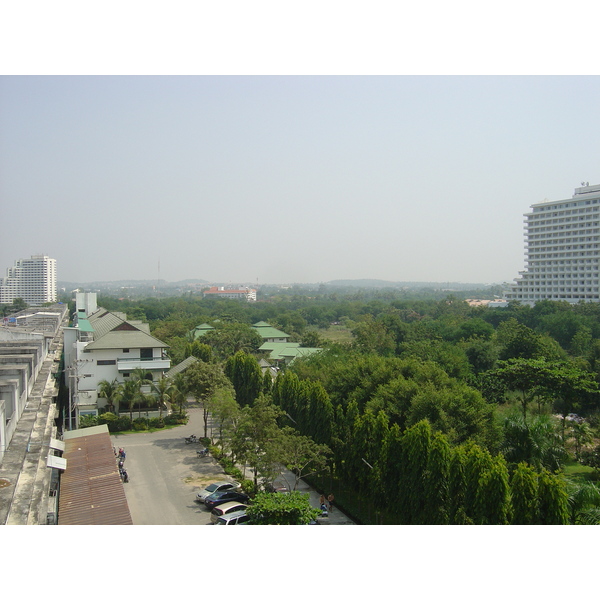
[{"x": 152, "y": 363}]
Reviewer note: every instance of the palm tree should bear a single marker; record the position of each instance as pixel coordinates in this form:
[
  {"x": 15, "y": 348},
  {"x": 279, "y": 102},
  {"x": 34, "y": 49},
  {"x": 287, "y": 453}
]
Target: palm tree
[
  {"x": 535, "y": 441},
  {"x": 163, "y": 390},
  {"x": 111, "y": 390},
  {"x": 584, "y": 503},
  {"x": 130, "y": 394},
  {"x": 179, "y": 391},
  {"x": 581, "y": 434},
  {"x": 142, "y": 377}
]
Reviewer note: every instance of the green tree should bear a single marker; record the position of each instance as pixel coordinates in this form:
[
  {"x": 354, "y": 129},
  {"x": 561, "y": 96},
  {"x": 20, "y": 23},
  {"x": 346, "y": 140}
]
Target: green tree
[
  {"x": 179, "y": 391},
  {"x": 530, "y": 378},
  {"x": 492, "y": 501},
  {"x": 584, "y": 503},
  {"x": 246, "y": 377},
  {"x": 111, "y": 390},
  {"x": 303, "y": 456},
  {"x": 536, "y": 442},
  {"x": 524, "y": 490},
  {"x": 130, "y": 394},
  {"x": 553, "y": 499},
  {"x": 199, "y": 350},
  {"x": 18, "y": 304},
  {"x": 162, "y": 390},
  {"x": 415, "y": 454},
  {"x": 228, "y": 338},
  {"x": 226, "y": 414},
  {"x": 581, "y": 434},
  {"x": 282, "y": 509},
  {"x": 203, "y": 380},
  {"x": 436, "y": 481},
  {"x": 257, "y": 439}
]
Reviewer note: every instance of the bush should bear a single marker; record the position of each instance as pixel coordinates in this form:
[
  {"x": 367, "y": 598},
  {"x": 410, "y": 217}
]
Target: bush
[
  {"x": 139, "y": 424},
  {"x": 88, "y": 421},
  {"x": 176, "y": 419},
  {"x": 121, "y": 424},
  {"x": 217, "y": 452},
  {"x": 106, "y": 418},
  {"x": 248, "y": 487},
  {"x": 156, "y": 423}
]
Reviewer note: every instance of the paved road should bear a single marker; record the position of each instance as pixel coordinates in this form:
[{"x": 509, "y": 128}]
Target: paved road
[{"x": 165, "y": 474}]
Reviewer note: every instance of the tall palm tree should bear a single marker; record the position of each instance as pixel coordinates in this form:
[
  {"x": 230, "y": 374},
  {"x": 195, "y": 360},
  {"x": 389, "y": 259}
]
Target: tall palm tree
[
  {"x": 142, "y": 377},
  {"x": 163, "y": 390},
  {"x": 179, "y": 391},
  {"x": 111, "y": 390},
  {"x": 581, "y": 434},
  {"x": 130, "y": 394}
]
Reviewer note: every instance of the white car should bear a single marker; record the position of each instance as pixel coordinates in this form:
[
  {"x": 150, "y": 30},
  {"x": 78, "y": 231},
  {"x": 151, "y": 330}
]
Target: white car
[
  {"x": 218, "y": 486},
  {"x": 226, "y": 509},
  {"x": 235, "y": 518}
]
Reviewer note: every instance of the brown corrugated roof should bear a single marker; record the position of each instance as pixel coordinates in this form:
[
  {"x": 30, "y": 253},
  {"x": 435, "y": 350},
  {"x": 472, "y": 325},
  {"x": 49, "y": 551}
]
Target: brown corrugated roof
[{"x": 91, "y": 491}]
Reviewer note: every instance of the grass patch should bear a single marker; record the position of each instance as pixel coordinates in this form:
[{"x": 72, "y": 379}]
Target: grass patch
[
  {"x": 578, "y": 472},
  {"x": 337, "y": 334}
]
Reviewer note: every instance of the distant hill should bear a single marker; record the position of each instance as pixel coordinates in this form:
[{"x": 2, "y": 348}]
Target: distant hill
[
  {"x": 127, "y": 283},
  {"x": 380, "y": 283}
]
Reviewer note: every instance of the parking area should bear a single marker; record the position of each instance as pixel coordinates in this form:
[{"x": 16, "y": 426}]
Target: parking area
[{"x": 165, "y": 474}]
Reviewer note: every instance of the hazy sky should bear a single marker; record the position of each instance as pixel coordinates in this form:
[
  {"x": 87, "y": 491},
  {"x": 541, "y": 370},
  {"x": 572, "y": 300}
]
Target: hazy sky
[{"x": 275, "y": 179}]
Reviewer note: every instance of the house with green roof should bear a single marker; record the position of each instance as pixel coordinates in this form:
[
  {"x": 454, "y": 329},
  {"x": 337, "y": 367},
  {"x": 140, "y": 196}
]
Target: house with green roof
[
  {"x": 200, "y": 330},
  {"x": 270, "y": 334}
]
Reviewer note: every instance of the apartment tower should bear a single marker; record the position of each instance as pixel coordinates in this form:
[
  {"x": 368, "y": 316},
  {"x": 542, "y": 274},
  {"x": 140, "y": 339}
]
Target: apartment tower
[
  {"x": 33, "y": 279},
  {"x": 562, "y": 250}
]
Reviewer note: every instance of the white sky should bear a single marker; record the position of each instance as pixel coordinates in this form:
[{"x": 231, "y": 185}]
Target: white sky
[{"x": 354, "y": 165}]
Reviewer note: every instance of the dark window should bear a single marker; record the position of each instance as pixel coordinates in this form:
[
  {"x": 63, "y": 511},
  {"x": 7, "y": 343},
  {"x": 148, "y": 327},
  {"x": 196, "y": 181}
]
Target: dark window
[{"x": 106, "y": 362}]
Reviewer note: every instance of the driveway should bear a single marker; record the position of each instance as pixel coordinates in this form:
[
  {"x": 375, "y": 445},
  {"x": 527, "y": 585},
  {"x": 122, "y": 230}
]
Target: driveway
[{"x": 165, "y": 474}]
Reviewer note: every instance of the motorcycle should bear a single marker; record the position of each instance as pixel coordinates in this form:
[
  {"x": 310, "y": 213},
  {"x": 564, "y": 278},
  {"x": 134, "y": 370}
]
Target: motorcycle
[
  {"x": 192, "y": 440},
  {"x": 202, "y": 453}
]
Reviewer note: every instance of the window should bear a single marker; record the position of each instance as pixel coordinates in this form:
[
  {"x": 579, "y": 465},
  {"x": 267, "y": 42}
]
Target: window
[{"x": 101, "y": 363}]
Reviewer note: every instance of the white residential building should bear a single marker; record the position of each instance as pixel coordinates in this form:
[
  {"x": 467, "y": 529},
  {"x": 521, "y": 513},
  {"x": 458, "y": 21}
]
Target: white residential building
[
  {"x": 106, "y": 345},
  {"x": 32, "y": 279},
  {"x": 562, "y": 250}
]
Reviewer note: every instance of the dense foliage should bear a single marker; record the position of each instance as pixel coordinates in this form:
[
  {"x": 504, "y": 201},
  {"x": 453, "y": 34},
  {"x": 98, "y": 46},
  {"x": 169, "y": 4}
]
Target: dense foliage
[{"x": 431, "y": 411}]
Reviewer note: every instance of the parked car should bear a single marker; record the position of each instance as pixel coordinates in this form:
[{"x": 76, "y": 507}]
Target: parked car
[
  {"x": 225, "y": 509},
  {"x": 217, "y": 486},
  {"x": 227, "y": 496},
  {"x": 238, "y": 517}
]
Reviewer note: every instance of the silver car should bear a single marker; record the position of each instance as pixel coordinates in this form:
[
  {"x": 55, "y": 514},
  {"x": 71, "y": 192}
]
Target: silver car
[{"x": 218, "y": 486}]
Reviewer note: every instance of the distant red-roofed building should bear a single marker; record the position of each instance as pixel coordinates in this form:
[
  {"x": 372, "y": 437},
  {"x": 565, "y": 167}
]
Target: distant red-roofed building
[{"x": 248, "y": 294}]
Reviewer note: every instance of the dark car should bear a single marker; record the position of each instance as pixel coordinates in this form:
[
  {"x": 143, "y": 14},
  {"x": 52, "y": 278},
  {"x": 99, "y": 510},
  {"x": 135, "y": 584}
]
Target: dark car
[
  {"x": 224, "y": 496},
  {"x": 217, "y": 486}
]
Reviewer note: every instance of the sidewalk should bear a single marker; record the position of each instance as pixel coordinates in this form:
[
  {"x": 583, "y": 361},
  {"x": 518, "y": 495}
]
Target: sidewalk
[{"x": 335, "y": 516}]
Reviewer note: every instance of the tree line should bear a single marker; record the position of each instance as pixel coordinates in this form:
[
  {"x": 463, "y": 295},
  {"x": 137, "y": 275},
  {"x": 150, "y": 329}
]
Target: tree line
[{"x": 436, "y": 412}]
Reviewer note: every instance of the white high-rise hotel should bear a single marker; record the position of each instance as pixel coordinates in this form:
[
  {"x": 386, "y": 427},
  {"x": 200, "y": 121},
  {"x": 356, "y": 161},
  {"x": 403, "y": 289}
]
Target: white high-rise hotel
[
  {"x": 33, "y": 279},
  {"x": 562, "y": 250}
]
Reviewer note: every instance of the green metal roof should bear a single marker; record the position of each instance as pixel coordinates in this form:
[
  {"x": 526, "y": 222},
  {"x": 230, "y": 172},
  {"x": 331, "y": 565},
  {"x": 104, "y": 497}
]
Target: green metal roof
[
  {"x": 84, "y": 325},
  {"x": 266, "y": 331}
]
